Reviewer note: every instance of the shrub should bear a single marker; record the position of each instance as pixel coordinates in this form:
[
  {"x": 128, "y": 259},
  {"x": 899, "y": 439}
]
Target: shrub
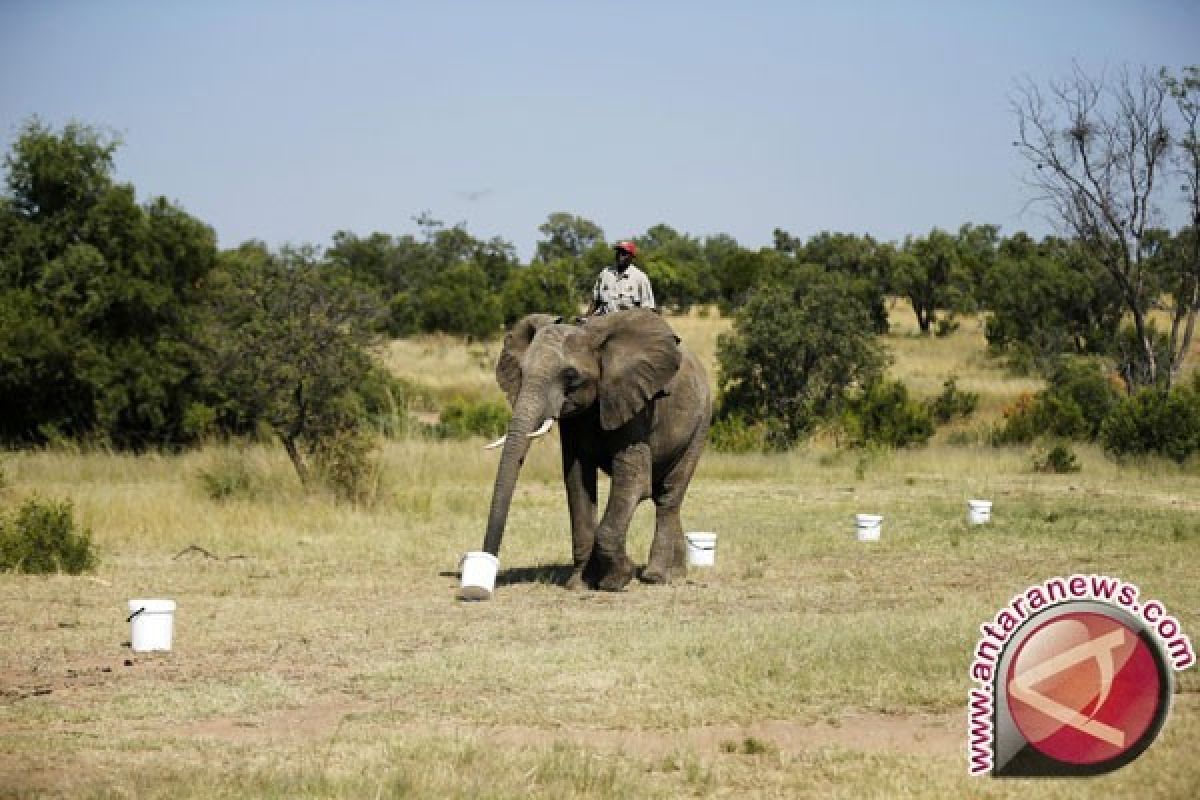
[
  {"x": 228, "y": 478},
  {"x": 953, "y": 403},
  {"x": 884, "y": 414},
  {"x": 347, "y": 462},
  {"x": 462, "y": 418},
  {"x": 1047, "y": 299},
  {"x": 945, "y": 327},
  {"x": 969, "y": 436},
  {"x": 1059, "y": 459},
  {"x": 1156, "y": 422},
  {"x": 795, "y": 350},
  {"x": 384, "y": 400},
  {"x": 734, "y": 434},
  {"x": 41, "y": 538},
  {"x": 1073, "y": 406}
]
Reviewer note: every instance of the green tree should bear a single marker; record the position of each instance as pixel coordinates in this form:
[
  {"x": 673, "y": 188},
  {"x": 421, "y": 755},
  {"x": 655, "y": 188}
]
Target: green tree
[
  {"x": 577, "y": 246},
  {"x": 732, "y": 271},
  {"x": 567, "y": 237},
  {"x": 793, "y": 353},
  {"x": 408, "y": 272},
  {"x": 867, "y": 262},
  {"x": 286, "y": 344},
  {"x": 460, "y": 300},
  {"x": 676, "y": 266},
  {"x": 1049, "y": 298},
  {"x": 542, "y": 288},
  {"x": 883, "y": 413},
  {"x": 99, "y": 294},
  {"x": 374, "y": 261},
  {"x": 928, "y": 270},
  {"x": 978, "y": 250}
]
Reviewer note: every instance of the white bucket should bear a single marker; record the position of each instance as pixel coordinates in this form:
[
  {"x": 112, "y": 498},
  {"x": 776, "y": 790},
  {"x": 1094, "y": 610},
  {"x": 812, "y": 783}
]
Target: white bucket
[
  {"x": 869, "y": 526},
  {"x": 153, "y": 623},
  {"x": 701, "y": 549},
  {"x": 979, "y": 512},
  {"x": 478, "y": 575}
]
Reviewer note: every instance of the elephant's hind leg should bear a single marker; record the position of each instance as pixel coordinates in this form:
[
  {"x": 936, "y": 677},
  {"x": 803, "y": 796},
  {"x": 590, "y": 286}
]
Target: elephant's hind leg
[{"x": 668, "y": 552}]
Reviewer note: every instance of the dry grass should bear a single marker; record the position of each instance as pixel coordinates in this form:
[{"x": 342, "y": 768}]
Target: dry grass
[
  {"x": 322, "y": 654},
  {"x": 445, "y": 365},
  {"x": 925, "y": 362}
]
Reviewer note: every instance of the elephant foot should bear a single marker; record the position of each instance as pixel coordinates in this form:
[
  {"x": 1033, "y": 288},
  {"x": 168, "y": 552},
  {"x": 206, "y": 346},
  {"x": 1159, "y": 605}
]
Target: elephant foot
[
  {"x": 576, "y": 583},
  {"x": 618, "y": 576},
  {"x": 658, "y": 575},
  {"x": 594, "y": 570}
]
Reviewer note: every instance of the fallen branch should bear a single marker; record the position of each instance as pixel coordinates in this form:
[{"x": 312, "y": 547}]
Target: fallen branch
[{"x": 195, "y": 548}]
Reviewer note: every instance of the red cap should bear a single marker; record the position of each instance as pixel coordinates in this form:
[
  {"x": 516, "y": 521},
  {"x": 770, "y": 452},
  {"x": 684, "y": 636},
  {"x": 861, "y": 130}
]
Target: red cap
[{"x": 627, "y": 246}]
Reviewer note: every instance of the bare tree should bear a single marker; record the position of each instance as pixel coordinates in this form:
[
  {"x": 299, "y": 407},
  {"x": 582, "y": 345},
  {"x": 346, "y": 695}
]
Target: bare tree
[
  {"x": 1104, "y": 151},
  {"x": 1185, "y": 91}
]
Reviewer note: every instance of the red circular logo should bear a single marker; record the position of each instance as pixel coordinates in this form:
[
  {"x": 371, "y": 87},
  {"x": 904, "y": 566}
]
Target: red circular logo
[{"x": 1083, "y": 688}]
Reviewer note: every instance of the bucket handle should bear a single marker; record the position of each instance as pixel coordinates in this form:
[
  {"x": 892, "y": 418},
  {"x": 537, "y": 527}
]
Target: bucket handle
[{"x": 134, "y": 614}]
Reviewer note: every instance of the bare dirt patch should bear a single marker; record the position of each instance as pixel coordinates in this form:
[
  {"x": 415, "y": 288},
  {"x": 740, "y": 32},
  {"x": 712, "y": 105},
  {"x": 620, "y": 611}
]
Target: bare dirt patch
[{"x": 908, "y": 734}]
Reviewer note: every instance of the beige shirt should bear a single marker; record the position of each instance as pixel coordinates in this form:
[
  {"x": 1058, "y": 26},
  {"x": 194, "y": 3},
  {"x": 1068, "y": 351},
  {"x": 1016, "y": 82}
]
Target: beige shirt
[{"x": 616, "y": 291}]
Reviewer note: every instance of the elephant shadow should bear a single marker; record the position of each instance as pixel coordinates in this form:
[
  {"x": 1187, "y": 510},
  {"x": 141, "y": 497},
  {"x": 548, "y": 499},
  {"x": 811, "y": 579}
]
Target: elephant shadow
[{"x": 552, "y": 574}]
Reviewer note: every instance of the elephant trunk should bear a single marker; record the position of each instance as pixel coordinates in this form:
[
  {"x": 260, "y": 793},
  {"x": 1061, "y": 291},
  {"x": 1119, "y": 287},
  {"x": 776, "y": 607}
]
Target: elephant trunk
[{"x": 528, "y": 414}]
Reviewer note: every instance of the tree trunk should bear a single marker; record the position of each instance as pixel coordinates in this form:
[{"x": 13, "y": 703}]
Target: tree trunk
[{"x": 289, "y": 444}]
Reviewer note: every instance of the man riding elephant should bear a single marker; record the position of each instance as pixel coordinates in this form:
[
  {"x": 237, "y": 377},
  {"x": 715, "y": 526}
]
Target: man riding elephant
[{"x": 621, "y": 286}]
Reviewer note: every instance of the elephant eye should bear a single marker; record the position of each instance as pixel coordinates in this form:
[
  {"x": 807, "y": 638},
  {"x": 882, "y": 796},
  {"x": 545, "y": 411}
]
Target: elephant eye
[{"x": 572, "y": 377}]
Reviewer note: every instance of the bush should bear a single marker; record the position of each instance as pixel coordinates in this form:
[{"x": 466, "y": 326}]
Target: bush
[
  {"x": 884, "y": 414},
  {"x": 1073, "y": 406},
  {"x": 794, "y": 352},
  {"x": 952, "y": 403},
  {"x": 41, "y": 538},
  {"x": 1157, "y": 423},
  {"x": 734, "y": 434},
  {"x": 347, "y": 462},
  {"x": 462, "y": 418},
  {"x": 945, "y": 327},
  {"x": 228, "y": 478},
  {"x": 1059, "y": 459},
  {"x": 384, "y": 399}
]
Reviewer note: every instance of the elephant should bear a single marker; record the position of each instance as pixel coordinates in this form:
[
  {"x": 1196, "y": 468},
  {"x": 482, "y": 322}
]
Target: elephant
[{"x": 630, "y": 400}]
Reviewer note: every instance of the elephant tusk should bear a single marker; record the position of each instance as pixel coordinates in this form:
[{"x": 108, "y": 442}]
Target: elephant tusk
[{"x": 542, "y": 431}]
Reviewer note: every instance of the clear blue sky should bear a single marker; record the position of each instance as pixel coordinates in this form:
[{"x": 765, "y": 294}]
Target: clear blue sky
[{"x": 287, "y": 121}]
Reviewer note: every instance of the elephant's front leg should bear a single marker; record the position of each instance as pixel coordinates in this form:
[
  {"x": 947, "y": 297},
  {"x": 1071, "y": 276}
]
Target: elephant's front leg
[
  {"x": 579, "y": 476},
  {"x": 610, "y": 562}
]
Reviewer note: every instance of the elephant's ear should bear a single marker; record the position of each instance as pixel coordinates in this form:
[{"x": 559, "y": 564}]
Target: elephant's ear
[
  {"x": 639, "y": 354},
  {"x": 516, "y": 341}
]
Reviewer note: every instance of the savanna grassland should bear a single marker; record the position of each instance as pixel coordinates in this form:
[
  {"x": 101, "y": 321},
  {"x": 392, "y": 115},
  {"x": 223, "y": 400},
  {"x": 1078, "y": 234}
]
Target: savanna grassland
[{"x": 319, "y": 651}]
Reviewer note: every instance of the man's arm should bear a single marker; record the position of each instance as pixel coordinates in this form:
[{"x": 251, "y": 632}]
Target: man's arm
[
  {"x": 647, "y": 293},
  {"x": 595, "y": 304}
]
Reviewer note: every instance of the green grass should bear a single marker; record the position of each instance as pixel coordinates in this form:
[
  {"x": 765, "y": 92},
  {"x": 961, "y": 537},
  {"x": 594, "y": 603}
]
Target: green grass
[{"x": 321, "y": 653}]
